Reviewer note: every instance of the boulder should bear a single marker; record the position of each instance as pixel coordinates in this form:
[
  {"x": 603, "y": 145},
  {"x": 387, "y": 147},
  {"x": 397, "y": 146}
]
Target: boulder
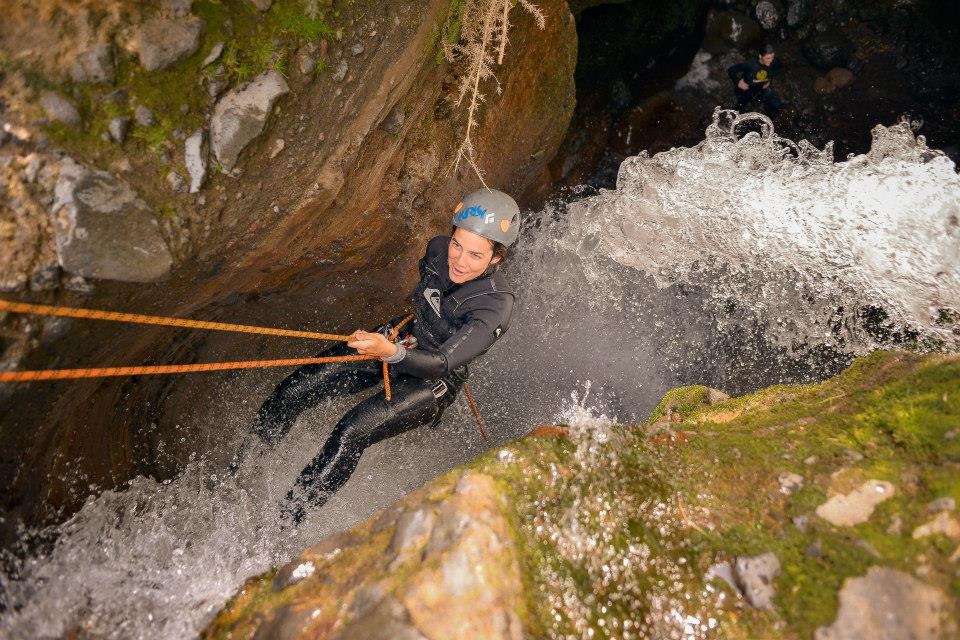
[
  {"x": 942, "y": 524},
  {"x": 241, "y": 114},
  {"x": 768, "y": 14},
  {"x": 790, "y": 482},
  {"x": 730, "y": 28},
  {"x": 341, "y": 71},
  {"x": 798, "y": 11},
  {"x": 827, "y": 50},
  {"x": 215, "y": 52},
  {"x": 195, "y": 159},
  {"x": 840, "y": 77},
  {"x": 886, "y": 604},
  {"x": 104, "y": 230},
  {"x": 306, "y": 62},
  {"x": 161, "y": 42},
  {"x": 857, "y": 506},
  {"x": 59, "y": 108},
  {"x": 262, "y": 5},
  {"x": 94, "y": 65},
  {"x": 944, "y": 503},
  {"x": 119, "y": 128},
  {"x": 755, "y": 578},
  {"x": 175, "y": 181},
  {"x": 144, "y": 116},
  {"x": 823, "y": 86}
]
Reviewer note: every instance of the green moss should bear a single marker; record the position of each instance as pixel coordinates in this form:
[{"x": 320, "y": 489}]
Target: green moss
[
  {"x": 895, "y": 409},
  {"x": 716, "y": 497},
  {"x": 449, "y": 32},
  {"x": 254, "y": 43},
  {"x": 292, "y": 21},
  {"x": 683, "y": 400}
]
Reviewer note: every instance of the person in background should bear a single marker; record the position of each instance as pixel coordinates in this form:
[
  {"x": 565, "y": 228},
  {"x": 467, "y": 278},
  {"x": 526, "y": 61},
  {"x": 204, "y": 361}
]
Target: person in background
[{"x": 751, "y": 81}]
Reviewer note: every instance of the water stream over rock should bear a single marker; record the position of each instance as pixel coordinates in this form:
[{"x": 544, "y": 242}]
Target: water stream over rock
[{"x": 738, "y": 263}]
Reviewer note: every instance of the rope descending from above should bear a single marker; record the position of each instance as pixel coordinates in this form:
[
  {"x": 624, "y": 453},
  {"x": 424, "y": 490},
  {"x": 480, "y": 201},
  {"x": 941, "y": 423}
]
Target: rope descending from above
[
  {"x": 107, "y": 372},
  {"x": 111, "y": 372},
  {"x": 96, "y": 314}
]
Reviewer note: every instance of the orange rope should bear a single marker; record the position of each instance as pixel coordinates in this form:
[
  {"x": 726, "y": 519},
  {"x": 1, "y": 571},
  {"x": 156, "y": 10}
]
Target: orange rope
[
  {"x": 386, "y": 370},
  {"x": 476, "y": 413},
  {"x": 94, "y": 314},
  {"x": 105, "y": 372}
]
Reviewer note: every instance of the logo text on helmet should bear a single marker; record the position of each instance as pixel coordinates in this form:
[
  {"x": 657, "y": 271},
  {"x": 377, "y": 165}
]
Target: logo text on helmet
[{"x": 477, "y": 212}]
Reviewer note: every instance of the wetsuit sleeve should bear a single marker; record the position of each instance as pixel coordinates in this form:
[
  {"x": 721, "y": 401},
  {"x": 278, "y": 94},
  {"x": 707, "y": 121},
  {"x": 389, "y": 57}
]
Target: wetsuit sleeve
[
  {"x": 738, "y": 71},
  {"x": 482, "y": 328}
]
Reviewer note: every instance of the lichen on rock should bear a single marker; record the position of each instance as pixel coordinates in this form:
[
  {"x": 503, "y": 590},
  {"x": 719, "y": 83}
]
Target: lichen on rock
[
  {"x": 605, "y": 533},
  {"x": 241, "y": 114},
  {"x": 104, "y": 230}
]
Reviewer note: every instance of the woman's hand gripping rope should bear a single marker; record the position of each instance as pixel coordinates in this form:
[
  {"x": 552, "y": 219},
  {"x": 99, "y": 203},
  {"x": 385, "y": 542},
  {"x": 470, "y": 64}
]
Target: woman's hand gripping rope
[{"x": 377, "y": 345}]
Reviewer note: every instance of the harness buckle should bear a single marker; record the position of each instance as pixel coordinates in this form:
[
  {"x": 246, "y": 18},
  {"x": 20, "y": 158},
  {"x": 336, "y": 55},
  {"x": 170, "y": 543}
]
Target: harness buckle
[{"x": 440, "y": 389}]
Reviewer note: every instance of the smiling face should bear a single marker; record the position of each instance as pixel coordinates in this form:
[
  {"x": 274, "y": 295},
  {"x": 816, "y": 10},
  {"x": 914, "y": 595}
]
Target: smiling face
[
  {"x": 766, "y": 59},
  {"x": 468, "y": 255}
]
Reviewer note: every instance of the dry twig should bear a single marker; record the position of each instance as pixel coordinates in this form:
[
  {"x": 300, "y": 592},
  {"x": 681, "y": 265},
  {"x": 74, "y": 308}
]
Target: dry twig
[{"x": 483, "y": 31}]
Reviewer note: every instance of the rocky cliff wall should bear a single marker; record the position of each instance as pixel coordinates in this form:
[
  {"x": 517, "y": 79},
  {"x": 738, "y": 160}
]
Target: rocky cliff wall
[
  {"x": 824, "y": 511},
  {"x": 194, "y": 158}
]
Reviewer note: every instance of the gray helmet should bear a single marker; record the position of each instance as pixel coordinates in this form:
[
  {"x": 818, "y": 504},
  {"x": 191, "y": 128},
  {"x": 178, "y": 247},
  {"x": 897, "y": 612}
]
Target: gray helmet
[{"x": 489, "y": 213}]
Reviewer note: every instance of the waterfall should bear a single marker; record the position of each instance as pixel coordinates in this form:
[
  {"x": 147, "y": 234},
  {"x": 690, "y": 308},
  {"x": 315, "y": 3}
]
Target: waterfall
[{"x": 744, "y": 261}]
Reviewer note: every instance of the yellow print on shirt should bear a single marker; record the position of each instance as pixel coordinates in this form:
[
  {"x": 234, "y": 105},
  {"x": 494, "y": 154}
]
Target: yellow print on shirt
[{"x": 761, "y": 76}]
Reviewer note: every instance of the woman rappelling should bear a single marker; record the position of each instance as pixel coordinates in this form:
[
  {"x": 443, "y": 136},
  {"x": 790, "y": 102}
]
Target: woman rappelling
[{"x": 461, "y": 306}]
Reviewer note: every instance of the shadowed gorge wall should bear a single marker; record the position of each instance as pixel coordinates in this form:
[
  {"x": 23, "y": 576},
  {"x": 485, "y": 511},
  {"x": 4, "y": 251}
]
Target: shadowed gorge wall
[{"x": 340, "y": 216}]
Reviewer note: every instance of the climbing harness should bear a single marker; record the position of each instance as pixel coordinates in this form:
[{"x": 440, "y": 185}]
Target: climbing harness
[{"x": 107, "y": 372}]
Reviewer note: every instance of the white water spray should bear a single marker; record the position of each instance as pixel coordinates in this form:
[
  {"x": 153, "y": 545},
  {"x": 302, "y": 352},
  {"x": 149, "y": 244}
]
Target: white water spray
[
  {"x": 797, "y": 241},
  {"x": 805, "y": 241}
]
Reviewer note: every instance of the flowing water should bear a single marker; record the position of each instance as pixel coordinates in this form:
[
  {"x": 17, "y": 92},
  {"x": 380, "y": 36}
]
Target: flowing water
[{"x": 742, "y": 262}]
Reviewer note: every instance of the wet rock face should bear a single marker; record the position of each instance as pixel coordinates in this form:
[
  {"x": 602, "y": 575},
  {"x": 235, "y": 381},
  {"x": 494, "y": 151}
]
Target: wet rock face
[
  {"x": 439, "y": 563},
  {"x": 104, "y": 230},
  {"x": 445, "y": 568},
  {"x": 857, "y": 506},
  {"x": 887, "y": 604},
  {"x": 755, "y": 577},
  {"x": 161, "y": 42},
  {"x": 95, "y": 64},
  {"x": 241, "y": 114}
]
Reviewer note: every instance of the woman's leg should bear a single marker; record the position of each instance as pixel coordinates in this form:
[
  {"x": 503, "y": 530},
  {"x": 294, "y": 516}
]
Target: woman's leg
[
  {"x": 305, "y": 388},
  {"x": 415, "y": 403},
  {"x": 308, "y": 385}
]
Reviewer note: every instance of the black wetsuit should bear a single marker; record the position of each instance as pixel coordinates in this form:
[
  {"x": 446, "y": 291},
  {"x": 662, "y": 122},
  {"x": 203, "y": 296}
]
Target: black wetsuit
[
  {"x": 453, "y": 324},
  {"x": 758, "y": 77}
]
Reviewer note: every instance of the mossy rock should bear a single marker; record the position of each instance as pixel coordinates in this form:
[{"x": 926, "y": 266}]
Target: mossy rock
[{"x": 614, "y": 534}]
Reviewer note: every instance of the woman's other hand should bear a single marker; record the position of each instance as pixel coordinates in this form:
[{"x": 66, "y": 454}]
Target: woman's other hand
[{"x": 372, "y": 344}]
